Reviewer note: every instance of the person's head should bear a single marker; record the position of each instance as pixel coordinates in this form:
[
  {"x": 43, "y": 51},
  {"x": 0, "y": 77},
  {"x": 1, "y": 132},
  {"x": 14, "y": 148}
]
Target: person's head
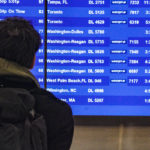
[{"x": 19, "y": 41}]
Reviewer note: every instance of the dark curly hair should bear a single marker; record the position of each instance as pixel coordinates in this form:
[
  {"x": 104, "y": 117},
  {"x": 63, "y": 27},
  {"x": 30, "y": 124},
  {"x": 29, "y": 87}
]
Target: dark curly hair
[{"x": 19, "y": 41}]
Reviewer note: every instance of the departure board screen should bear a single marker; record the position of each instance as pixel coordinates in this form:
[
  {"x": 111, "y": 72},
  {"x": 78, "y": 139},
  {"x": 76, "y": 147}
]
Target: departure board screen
[
  {"x": 98, "y": 52},
  {"x": 98, "y": 55},
  {"x": 32, "y": 10}
]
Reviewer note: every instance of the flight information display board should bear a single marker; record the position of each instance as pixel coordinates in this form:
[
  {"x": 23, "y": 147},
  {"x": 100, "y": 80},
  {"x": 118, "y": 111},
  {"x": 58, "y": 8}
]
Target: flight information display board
[
  {"x": 98, "y": 52},
  {"x": 98, "y": 56},
  {"x": 33, "y": 11}
]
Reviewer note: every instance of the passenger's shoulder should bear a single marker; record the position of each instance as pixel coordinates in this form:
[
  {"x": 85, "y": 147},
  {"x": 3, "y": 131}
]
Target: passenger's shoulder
[{"x": 47, "y": 100}]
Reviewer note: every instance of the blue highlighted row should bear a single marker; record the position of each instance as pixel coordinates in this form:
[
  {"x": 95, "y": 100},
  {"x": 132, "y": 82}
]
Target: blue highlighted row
[
  {"x": 82, "y": 80},
  {"x": 76, "y": 61},
  {"x": 78, "y": 41},
  {"x": 107, "y": 100},
  {"x": 78, "y": 22},
  {"x": 81, "y": 3},
  {"x": 95, "y": 22},
  {"x": 91, "y": 61}
]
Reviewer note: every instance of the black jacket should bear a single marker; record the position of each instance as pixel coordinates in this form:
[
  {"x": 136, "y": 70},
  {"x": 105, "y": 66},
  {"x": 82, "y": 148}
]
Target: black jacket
[{"x": 58, "y": 114}]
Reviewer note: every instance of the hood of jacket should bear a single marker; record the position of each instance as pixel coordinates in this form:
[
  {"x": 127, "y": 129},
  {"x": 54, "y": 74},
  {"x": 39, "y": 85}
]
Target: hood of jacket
[{"x": 11, "y": 68}]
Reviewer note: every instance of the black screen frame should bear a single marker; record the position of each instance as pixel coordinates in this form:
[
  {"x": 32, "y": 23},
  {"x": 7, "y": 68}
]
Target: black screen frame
[{"x": 111, "y": 120}]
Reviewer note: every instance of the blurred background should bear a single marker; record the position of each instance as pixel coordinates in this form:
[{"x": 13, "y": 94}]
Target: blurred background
[{"x": 111, "y": 133}]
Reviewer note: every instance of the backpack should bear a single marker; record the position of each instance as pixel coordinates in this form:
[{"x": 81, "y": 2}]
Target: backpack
[{"x": 21, "y": 128}]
